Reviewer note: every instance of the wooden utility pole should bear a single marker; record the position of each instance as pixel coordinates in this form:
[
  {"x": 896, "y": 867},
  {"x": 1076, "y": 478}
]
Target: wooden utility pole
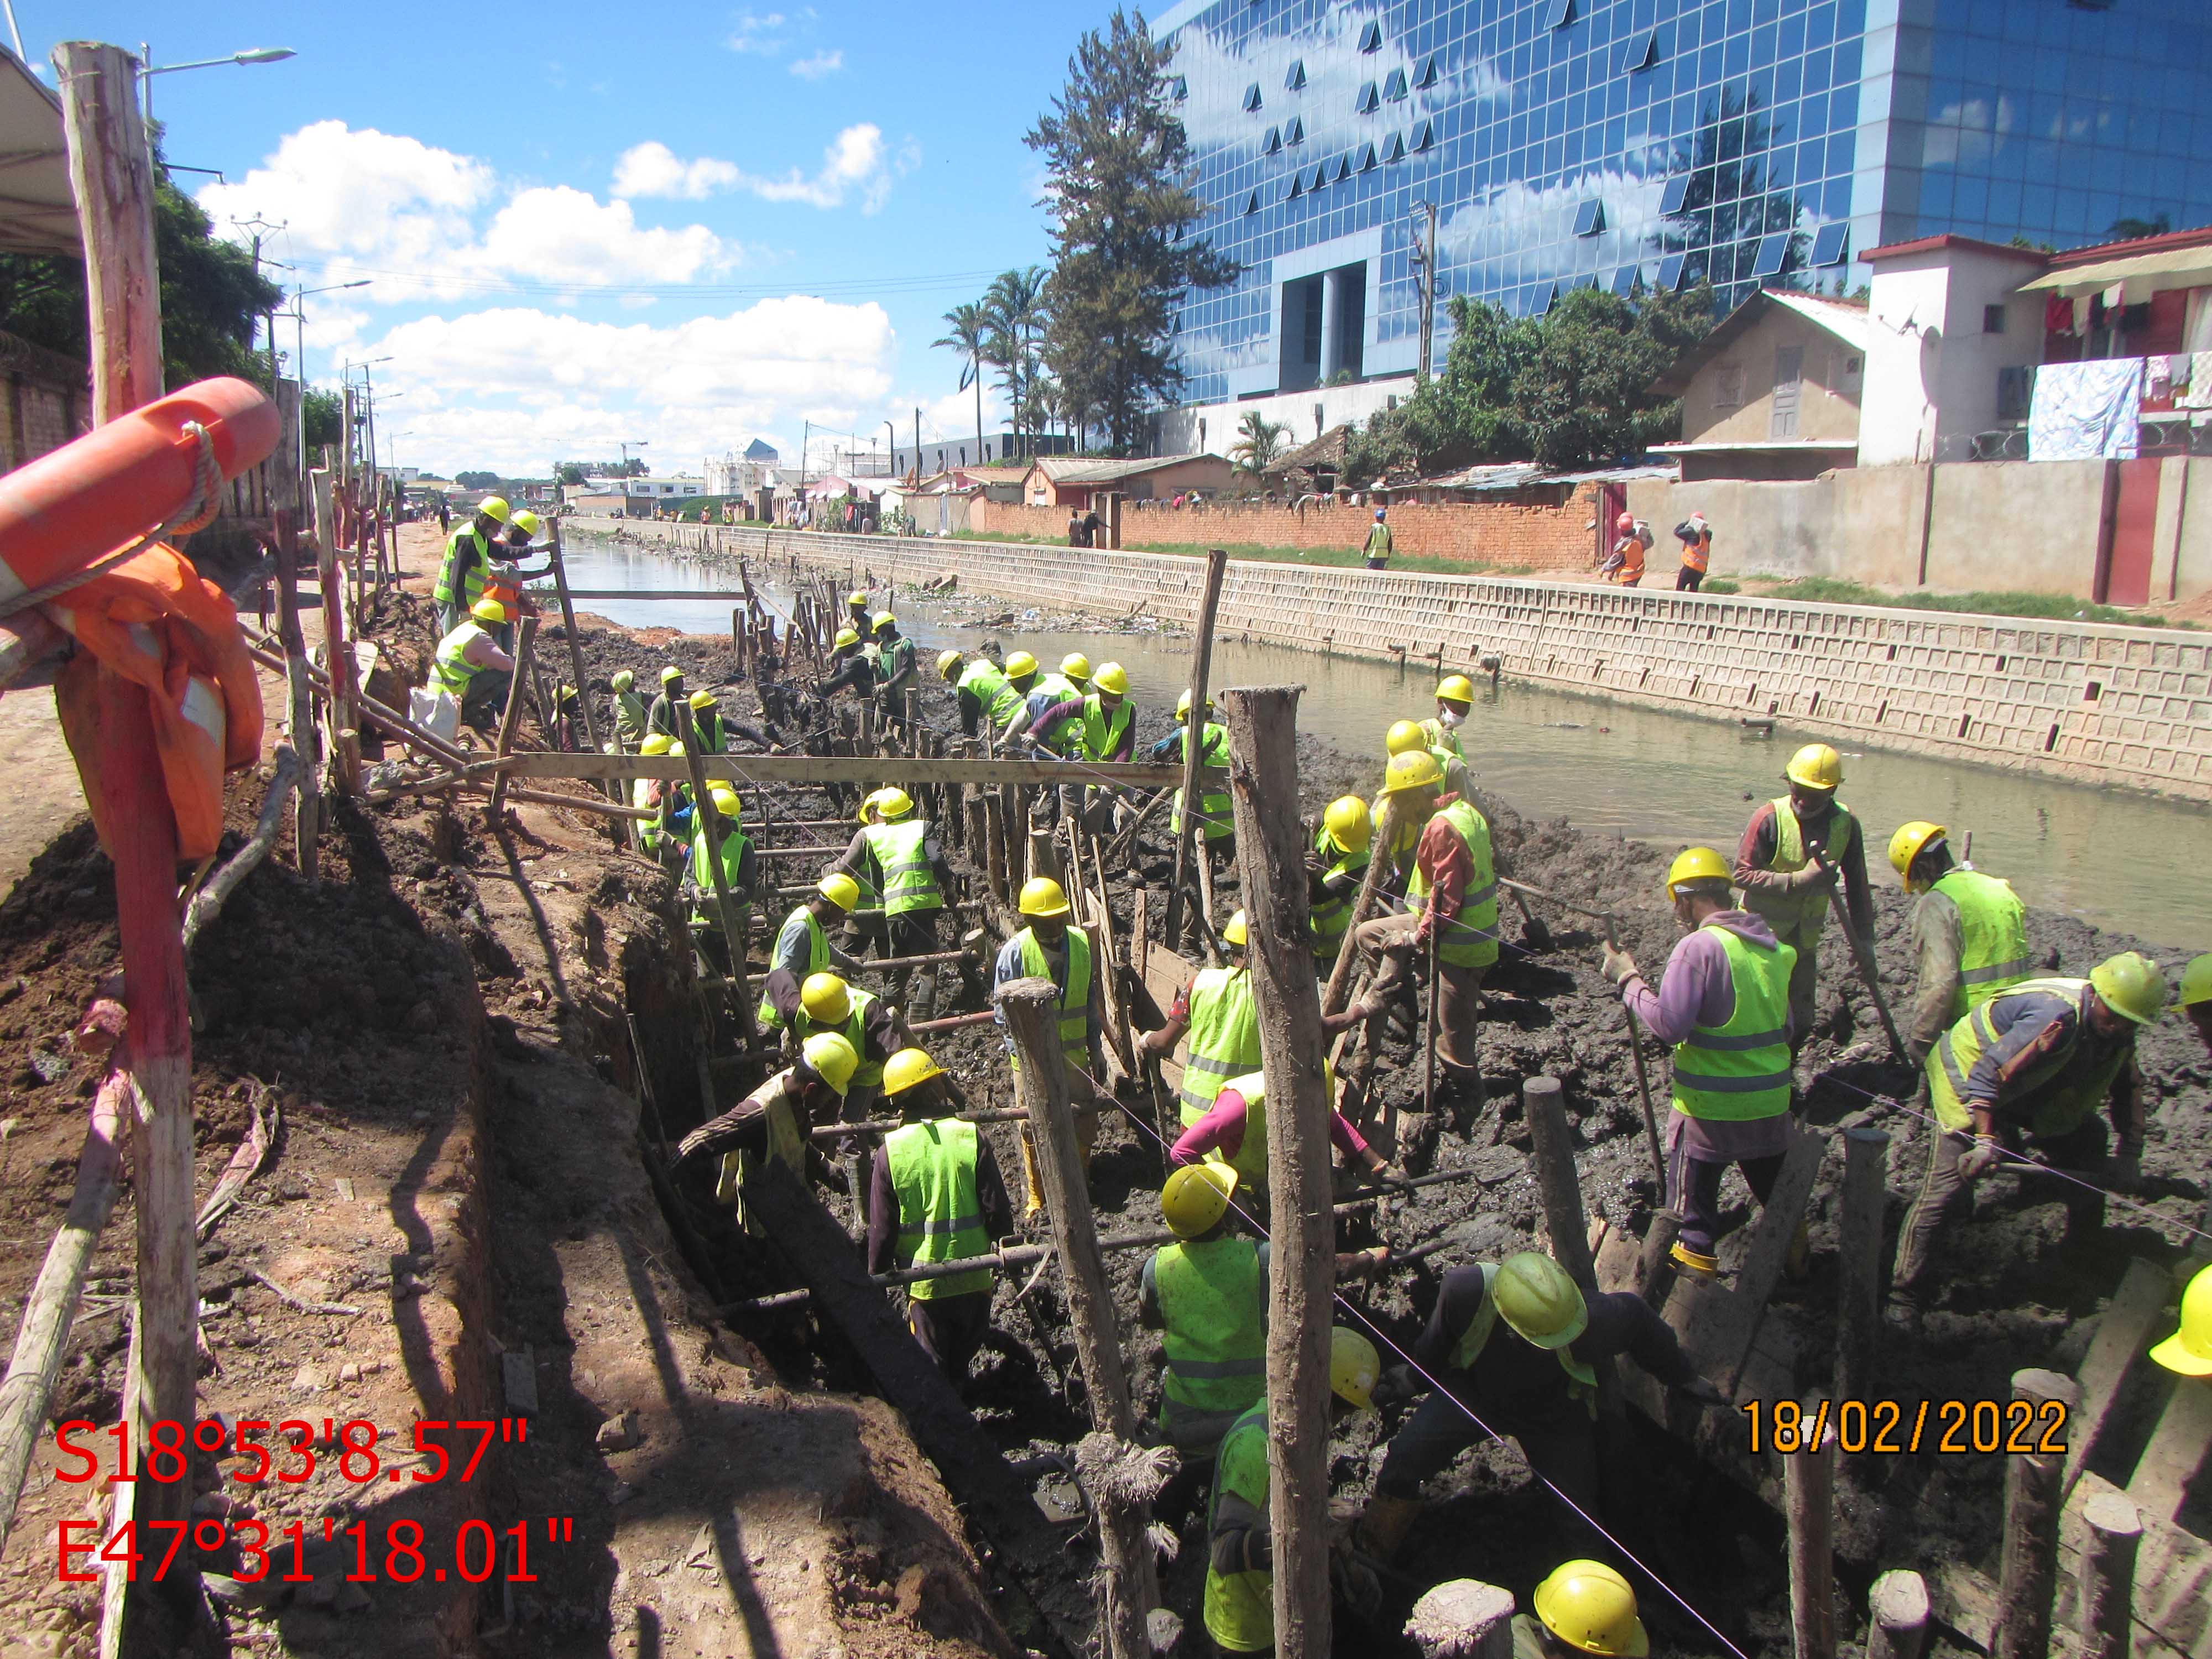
[
  {"x": 1201, "y": 666},
  {"x": 2034, "y": 1493},
  {"x": 112, "y": 175},
  {"x": 1132, "y": 1581},
  {"x": 1263, "y": 787}
]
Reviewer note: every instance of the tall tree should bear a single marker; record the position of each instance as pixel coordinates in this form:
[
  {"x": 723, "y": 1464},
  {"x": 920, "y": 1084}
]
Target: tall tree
[
  {"x": 1015, "y": 306},
  {"x": 1119, "y": 178},
  {"x": 1260, "y": 441},
  {"x": 968, "y": 330}
]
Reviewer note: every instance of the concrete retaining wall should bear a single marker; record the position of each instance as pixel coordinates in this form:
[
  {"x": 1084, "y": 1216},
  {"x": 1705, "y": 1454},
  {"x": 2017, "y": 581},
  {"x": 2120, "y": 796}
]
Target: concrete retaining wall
[{"x": 2074, "y": 700}]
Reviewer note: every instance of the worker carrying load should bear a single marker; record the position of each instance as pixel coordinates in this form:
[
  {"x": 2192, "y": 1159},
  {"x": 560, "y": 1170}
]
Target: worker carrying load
[
  {"x": 1234, "y": 1132},
  {"x": 1723, "y": 1003},
  {"x": 1335, "y": 869},
  {"x": 468, "y": 666},
  {"x": 1046, "y": 947},
  {"x": 984, "y": 694},
  {"x": 2026, "y": 1071},
  {"x": 661, "y": 715},
  {"x": 1623, "y": 565},
  {"x": 1969, "y": 933},
  {"x": 904, "y": 863},
  {"x": 803, "y": 949},
  {"x": 1216, "y": 819},
  {"x": 1796, "y": 849},
  {"x": 716, "y": 838},
  {"x": 1217, "y": 1011},
  {"x": 773, "y": 1122},
  {"x": 1696, "y": 536},
  {"x": 936, "y": 1196}
]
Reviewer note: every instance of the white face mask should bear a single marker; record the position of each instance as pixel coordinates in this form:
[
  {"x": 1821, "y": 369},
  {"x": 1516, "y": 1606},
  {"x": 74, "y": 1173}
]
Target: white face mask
[{"x": 1450, "y": 715}]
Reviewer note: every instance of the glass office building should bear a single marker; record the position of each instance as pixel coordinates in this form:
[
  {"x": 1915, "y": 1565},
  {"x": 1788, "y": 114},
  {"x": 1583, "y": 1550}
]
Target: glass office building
[{"x": 1614, "y": 143}]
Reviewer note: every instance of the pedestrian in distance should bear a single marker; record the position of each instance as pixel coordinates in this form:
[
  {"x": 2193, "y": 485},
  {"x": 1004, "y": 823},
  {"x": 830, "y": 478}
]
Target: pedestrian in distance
[
  {"x": 1696, "y": 536},
  {"x": 1379, "y": 545}
]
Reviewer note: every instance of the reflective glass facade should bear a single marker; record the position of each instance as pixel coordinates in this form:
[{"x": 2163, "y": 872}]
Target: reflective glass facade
[{"x": 1619, "y": 141}]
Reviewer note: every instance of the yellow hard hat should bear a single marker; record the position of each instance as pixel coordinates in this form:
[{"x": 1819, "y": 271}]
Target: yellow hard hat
[
  {"x": 1457, "y": 689},
  {"x": 1075, "y": 665},
  {"x": 827, "y": 999},
  {"x": 1354, "y": 1367},
  {"x": 623, "y": 680},
  {"x": 658, "y": 743},
  {"x": 905, "y": 1068},
  {"x": 1416, "y": 769},
  {"x": 884, "y": 619},
  {"x": 858, "y": 598},
  {"x": 490, "y": 610},
  {"x": 1816, "y": 766},
  {"x": 1234, "y": 933},
  {"x": 1347, "y": 825},
  {"x": 1043, "y": 896},
  {"x": 1112, "y": 677},
  {"x": 946, "y": 662},
  {"x": 495, "y": 508},
  {"x": 844, "y": 640},
  {"x": 840, "y": 890},
  {"x": 831, "y": 1059},
  {"x": 870, "y": 807},
  {"x": 1196, "y": 1197},
  {"x": 670, "y": 672},
  {"x": 2189, "y": 1350},
  {"x": 1590, "y": 1608},
  {"x": 1908, "y": 843},
  {"x": 675, "y": 749},
  {"x": 1695, "y": 864},
  {"x": 1021, "y": 664},
  {"x": 1403, "y": 737},
  {"x": 703, "y": 700},
  {"x": 2196, "y": 980},
  {"x": 2131, "y": 985},
  {"x": 527, "y": 522},
  {"x": 1537, "y": 1299},
  {"x": 893, "y": 804},
  {"x": 1182, "y": 706},
  {"x": 727, "y": 802}
]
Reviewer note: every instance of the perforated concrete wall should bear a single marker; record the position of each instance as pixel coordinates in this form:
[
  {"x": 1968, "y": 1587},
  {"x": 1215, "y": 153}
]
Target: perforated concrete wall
[{"x": 2099, "y": 704}]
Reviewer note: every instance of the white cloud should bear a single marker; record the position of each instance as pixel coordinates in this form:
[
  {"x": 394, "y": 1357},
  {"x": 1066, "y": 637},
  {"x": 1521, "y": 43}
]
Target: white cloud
[
  {"x": 762, "y": 32},
  {"x": 556, "y": 233},
  {"x": 814, "y": 67},
  {"x": 1519, "y": 233},
  {"x": 855, "y": 165},
  {"x": 653, "y": 169}
]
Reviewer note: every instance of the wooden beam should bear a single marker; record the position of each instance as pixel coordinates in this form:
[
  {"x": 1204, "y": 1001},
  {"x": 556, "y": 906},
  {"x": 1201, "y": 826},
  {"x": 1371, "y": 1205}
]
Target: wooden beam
[
  {"x": 861, "y": 770},
  {"x": 524, "y": 639},
  {"x": 704, "y": 595},
  {"x": 1552, "y": 1151},
  {"x": 2176, "y": 1452},
  {"x": 2108, "y": 1576},
  {"x": 2124, "y": 1334},
  {"x": 1770, "y": 1250}
]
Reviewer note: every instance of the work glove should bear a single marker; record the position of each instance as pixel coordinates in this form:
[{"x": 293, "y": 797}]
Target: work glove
[
  {"x": 1617, "y": 965},
  {"x": 1978, "y": 1159},
  {"x": 2124, "y": 1169},
  {"x": 1699, "y": 1390}
]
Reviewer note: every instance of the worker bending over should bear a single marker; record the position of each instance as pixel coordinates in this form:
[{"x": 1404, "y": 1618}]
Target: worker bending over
[
  {"x": 1969, "y": 933},
  {"x": 773, "y": 1121},
  {"x": 1234, "y": 1132},
  {"x": 1583, "y": 1606},
  {"x": 1335, "y": 869},
  {"x": 1217, "y": 1011},
  {"x": 1794, "y": 851},
  {"x": 1048, "y": 948},
  {"x": 803, "y": 948},
  {"x": 985, "y": 696},
  {"x": 2029, "y": 1068},
  {"x": 469, "y": 667},
  {"x": 716, "y": 839},
  {"x": 908, "y": 867},
  {"x": 851, "y": 667},
  {"x": 870, "y": 1025},
  {"x": 1216, "y": 820},
  {"x": 1724, "y": 1004},
  {"x": 936, "y": 1196}
]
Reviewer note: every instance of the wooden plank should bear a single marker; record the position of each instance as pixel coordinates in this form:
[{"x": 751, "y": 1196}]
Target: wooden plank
[
  {"x": 2124, "y": 1334},
  {"x": 1769, "y": 1244},
  {"x": 2176, "y": 1453},
  {"x": 854, "y": 770}
]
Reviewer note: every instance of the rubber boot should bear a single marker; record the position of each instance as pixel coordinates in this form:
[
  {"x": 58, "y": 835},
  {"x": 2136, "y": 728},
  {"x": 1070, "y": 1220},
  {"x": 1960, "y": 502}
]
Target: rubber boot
[
  {"x": 1695, "y": 1263},
  {"x": 1382, "y": 1530}
]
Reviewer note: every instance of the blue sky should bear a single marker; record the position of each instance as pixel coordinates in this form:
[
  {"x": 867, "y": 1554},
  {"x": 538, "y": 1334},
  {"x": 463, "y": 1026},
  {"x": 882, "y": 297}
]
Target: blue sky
[{"x": 693, "y": 225}]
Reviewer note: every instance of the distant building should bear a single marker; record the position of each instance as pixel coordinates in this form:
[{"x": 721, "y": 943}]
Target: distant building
[
  {"x": 1076, "y": 482},
  {"x": 674, "y": 487},
  {"x": 742, "y": 474},
  {"x": 1774, "y": 392}
]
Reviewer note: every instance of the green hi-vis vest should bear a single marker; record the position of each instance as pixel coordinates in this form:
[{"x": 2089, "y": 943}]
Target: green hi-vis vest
[
  {"x": 1054, "y": 687},
  {"x": 1468, "y": 939},
  {"x": 732, "y": 848},
  {"x": 902, "y": 861},
  {"x": 1581, "y": 1379},
  {"x": 1992, "y": 936},
  {"x": 894, "y": 660},
  {"x": 940, "y": 1218},
  {"x": 1442, "y": 741},
  {"x": 984, "y": 683},
  {"x": 629, "y": 717},
  {"x": 1331, "y": 914},
  {"x": 1409, "y": 837},
  {"x": 1074, "y": 996},
  {"x": 467, "y": 553},
  {"x": 1102, "y": 731},
  {"x": 1224, "y": 1037},
  {"x": 1216, "y": 1343},
  {"x": 1251, "y": 1160},
  {"x": 448, "y": 670},
  {"x": 1240, "y": 1607},
  {"x": 1215, "y": 816},
  {"x": 854, "y": 1027},
  {"x": 1791, "y": 913},
  {"x": 649, "y": 830},
  {"x": 1742, "y": 1071},
  {"x": 817, "y": 959},
  {"x": 707, "y": 733},
  {"x": 1951, "y": 1062},
  {"x": 785, "y": 1144}
]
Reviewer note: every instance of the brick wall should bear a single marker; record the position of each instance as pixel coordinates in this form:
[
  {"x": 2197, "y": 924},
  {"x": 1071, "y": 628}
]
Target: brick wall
[
  {"x": 2077, "y": 700},
  {"x": 1526, "y": 536},
  {"x": 46, "y": 401}
]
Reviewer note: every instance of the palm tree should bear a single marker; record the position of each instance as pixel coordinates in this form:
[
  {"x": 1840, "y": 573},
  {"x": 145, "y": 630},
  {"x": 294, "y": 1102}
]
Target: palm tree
[
  {"x": 1015, "y": 305},
  {"x": 968, "y": 330},
  {"x": 1261, "y": 443}
]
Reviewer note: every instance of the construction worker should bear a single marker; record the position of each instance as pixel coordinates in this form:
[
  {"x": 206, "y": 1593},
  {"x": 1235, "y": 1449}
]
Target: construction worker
[
  {"x": 1969, "y": 933},
  {"x": 772, "y": 1122},
  {"x": 1454, "y": 701},
  {"x": 569, "y": 720},
  {"x": 2030, "y": 1067},
  {"x": 983, "y": 692},
  {"x": 707, "y": 731},
  {"x": 872, "y": 1025},
  {"x": 1794, "y": 851},
  {"x": 1234, "y": 1132},
  {"x": 1240, "y": 1569},
  {"x": 2196, "y": 996},
  {"x": 628, "y": 710},
  {"x": 1583, "y": 1606},
  {"x": 1216, "y": 821},
  {"x": 1075, "y": 669},
  {"x": 1403, "y": 737},
  {"x": 2188, "y": 1351},
  {"x": 1453, "y": 893},
  {"x": 803, "y": 949},
  {"x": 1046, "y": 947},
  {"x": 936, "y": 1196},
  {"x": 1379, "y": 545},
  {"x": 461, "y": 574},
  {"x": 851, "y": 667},
  {"x": 1536, "y": 1380},
  {"x": 660, "y": 716},
  {"x": 1021, "y": 673},
  {"x": 469, "y": 667},
  {"x": 1696, "y": 536},
  {"x": 718, "y": 818},
  {"x": 856, "y": 612},
  {"x": 1333, "y": 871},
  {"x": 677, "y": 816},
  {"x": 1724, "y": 1004},
  {"x": 908, "y": 867},
  {"x": 895, "y": 665},
  {"x": 651, "y": 795},
  {"x": 1217, "y": 1011},
  {"x": 1624, "y": 566}
]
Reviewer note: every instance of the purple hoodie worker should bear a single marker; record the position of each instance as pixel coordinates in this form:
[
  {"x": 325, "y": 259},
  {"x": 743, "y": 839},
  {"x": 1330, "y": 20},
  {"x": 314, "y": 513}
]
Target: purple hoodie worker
[{"x": 1724, "y": 1005}]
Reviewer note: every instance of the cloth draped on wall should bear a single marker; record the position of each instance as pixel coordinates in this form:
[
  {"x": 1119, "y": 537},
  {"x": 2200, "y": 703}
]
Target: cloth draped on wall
[{"x": 2087, "y": 411}]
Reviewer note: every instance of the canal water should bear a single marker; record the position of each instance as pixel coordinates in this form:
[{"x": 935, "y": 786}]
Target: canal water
[{"x": 2114, "y": 857}]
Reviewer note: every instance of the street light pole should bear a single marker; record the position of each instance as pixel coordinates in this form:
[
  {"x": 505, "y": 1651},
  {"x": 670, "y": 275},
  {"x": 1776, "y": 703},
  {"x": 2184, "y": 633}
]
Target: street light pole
[{"x": 147, "y": 68}]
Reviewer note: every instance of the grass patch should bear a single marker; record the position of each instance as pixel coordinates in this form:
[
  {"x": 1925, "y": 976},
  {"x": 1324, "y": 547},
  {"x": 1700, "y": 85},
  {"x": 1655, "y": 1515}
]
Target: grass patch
[
  {"x": 2053, "y": 607},
  {"x": 1720, "y": 584}
]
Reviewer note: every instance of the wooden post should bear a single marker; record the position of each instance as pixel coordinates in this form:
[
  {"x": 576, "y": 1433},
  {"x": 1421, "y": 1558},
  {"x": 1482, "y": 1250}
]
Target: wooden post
[
  {"x": 1897, "y": 1617},
  {"x": 1464, "y": 1619},
  {"x": 2108, "y": 1574},
  {"x": 1263, "y": 784},
  {"x": 1132, "y": 1585},
  {"x": 338, "y": 658},
  {"x": 575, "y": 649},
  {"x": 1340, "y": 976},
  {"x": 736, "y": 643},
  {"x": 1809, "y": 1488},
  {"x": 1014, "y": 831},
  {"x": 307, "y": 800},
  {"x": 1858, "y": 1294},
  {"x": 112, "y": 174},
  {"x": 2033, "y": 1494},
  {"x": 525, "y": 641},
  {"x": 1551, "y": 1150},
  {"x": 1655, "y": 1267},
  {"x": 1201, "y": 666},
  {"x": 994, "y": 859},
  {"x": 738, "y": 983}
]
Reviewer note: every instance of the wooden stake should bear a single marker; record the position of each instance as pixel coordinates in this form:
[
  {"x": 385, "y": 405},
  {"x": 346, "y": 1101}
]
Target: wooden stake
[
  {"x": 337, "y": 656},
  {"x": 1655, "y": 1270},
  {"x": 1263, "y": 783},
  {"x": 1898, "y": 1614},
  {"x": 2108, "y": 1574},
  {"x": 306, "y": 741},
  {"x": 526, "y": 640},
  {"x": 1188, "y": 842},
  {"x": 993, "y": 803},
  {"x": 1809, "y": 1486},
  {"x": 1858, "y": 1295},
  {"x": 112, "y": 175},
  {"x": 1132, "y": 1584},
  {"x": 576, "y": 651},
  {"x": 1551, "y": 1150},
  {"x": 2033, "y": 1493},
  {"x": 1340, "y": 976}
]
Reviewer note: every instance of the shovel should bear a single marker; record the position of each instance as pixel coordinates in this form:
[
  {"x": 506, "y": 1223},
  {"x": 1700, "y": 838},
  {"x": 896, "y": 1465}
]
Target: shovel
[
  {"x": 1643, "y": 1077},
  {"x": 1862, "y": 959}
]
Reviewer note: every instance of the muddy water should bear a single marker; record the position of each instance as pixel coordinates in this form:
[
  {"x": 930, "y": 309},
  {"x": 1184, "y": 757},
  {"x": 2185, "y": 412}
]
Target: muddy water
[{"x": 2113, "y": 857}]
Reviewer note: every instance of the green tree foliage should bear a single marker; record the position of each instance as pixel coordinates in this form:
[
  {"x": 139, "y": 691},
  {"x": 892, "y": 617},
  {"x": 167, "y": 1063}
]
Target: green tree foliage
[
  {"x": 1119, "y": 176},
  {"x": 567, "y": 472},
  {"x": 476, "y": 480},
  {"x": 1259, "y": 442},
  {"x": 968, "y": 332},
  {"x": 1014, "y": 310},
  {"x": 322, "y": 415}
]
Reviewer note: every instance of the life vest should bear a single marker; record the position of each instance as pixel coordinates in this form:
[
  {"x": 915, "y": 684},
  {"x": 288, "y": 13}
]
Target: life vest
[
  {"x": 1992, "y": 936},
  {"x": 2059, "y": 1110},
  {"x": 1631, "y": 548},
  {"x": 1074, "y": 1008},
  {"x": 1224, "y": 1040},
  {"x": 1215, "y": 815},
  {"x": 1699, "y": 555},
  {"x": 1468, "y": 939},
  {"x": 901, "y": 856},
  {"x": 1102, "y": 733},
  {"x": 1794, "y": 913},
  {"x": 940, "y": 1218},
  {"x": 1331, "y": 914},
  {"x": 1216, "y": 1341},
  {"x": 1240, "y": 1607},
  {"x": 1741, "y": 1070},
  {"x": 768, "y": 1016}
]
